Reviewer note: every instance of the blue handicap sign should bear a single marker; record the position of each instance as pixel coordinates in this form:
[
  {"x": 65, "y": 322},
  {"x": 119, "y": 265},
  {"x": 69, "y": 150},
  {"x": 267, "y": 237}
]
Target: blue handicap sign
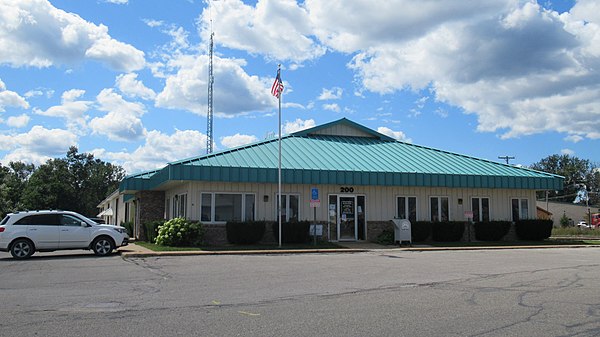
[{"x": 314, "y": 193}]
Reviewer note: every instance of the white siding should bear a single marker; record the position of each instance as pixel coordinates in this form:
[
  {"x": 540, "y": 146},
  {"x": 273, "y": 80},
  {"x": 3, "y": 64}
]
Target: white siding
[{"x": 380, "y": 201}]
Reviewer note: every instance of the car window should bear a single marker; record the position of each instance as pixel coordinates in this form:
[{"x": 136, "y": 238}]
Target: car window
[
  {"x": 5, "y": 220},
  {"x": 40, "y": 220},
  {"x": 69, "y": 220}
]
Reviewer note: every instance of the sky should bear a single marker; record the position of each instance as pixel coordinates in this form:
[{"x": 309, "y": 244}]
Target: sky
[{"x": 126, "y": 80}]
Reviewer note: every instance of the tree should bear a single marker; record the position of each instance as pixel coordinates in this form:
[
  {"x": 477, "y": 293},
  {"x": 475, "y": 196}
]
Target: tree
[
  {"x": 582, "y": 178},
  {"x": 13, "y": 180},
  {"x": 77, "y": 182}
]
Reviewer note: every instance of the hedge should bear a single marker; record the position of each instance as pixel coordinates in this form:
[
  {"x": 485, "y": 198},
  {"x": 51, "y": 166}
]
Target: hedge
[
  {"x": 447, "y": 231},
  {"x": 247, "y": 232},
  {"x": 491, "y": 230},
  {"x": 533, "y": 230},
  {"x": 151, "y": 229},
  {"x": 292, "y": 232},
  {"x": 420, "y": 230}
]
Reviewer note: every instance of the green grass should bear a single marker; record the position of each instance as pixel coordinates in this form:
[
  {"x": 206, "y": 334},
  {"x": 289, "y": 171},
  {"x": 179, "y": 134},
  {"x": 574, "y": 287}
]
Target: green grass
[
  {"x": 574, "y": 231},
  {"x": 547, "y": 242},
  {"x": 158, "y": 248}
]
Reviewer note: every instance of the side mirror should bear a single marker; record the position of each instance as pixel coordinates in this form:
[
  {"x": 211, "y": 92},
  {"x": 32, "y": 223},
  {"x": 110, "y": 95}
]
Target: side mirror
[{"x": 83, "y": 224}]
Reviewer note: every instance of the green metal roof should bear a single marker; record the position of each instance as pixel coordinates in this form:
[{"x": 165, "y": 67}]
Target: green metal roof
[{"x": 310, "y": 157}]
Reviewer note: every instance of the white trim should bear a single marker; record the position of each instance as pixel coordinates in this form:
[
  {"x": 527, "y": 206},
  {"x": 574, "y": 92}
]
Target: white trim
[
  {"x": 212, "y": 206},
  {"x": 397, "y": 213},
  {"x": 439, "y": 207},
  {"x": 510, "y": 208},
  {"x": 287, "y": 204},
  {"x": 480, "y": 206}
]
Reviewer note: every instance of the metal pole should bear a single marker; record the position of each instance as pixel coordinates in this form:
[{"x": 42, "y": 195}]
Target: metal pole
[{"x": 279, "y": 167}]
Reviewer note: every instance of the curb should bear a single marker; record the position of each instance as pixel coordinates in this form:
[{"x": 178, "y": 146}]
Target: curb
[
  {"x": 243, "y": 252},
  {"x": 339, "y": 251}
]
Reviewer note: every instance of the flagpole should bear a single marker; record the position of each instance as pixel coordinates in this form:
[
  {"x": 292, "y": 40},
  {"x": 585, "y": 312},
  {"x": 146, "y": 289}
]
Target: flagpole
[{"x": 279, "y": 167}]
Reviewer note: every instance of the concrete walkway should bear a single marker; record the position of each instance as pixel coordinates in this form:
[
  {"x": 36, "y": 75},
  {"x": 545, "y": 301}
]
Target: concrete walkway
[{"x": 133, "y": 250}]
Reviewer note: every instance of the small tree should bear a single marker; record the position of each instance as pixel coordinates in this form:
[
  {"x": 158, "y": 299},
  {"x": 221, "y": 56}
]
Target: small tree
[{"x": 564, "y": 220}]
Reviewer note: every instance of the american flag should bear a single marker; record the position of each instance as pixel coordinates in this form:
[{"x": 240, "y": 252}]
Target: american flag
[{"x": 277, "y": 87}]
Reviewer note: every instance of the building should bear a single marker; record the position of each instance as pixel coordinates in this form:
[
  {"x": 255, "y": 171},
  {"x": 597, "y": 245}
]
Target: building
[
  {"x": 573, "y": 212},
  {"x": 362, "y": 180}
]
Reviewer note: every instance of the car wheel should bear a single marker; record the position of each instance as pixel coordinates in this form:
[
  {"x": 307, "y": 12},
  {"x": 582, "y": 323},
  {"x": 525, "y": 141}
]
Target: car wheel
[
  {"x": 22, "y": 249},
  {"x": 103, "y": 246}
]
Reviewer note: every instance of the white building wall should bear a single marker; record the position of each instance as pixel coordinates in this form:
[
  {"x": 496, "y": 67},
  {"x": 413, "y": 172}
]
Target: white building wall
[{"x": 380, "y": 200}]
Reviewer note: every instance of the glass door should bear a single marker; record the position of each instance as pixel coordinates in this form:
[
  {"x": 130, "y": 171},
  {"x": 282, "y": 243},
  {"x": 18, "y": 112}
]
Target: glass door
[{"x": 347, "y": 220}]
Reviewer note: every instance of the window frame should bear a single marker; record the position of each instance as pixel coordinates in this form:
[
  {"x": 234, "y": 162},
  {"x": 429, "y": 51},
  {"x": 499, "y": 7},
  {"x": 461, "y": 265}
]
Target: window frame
[
  {"x": 480, "y": 205},
  {"x": 212, "y": 206},
  {"x": 520, "y": 209},
  {"x": 406, "y": 205},
  {"x": 287, "y": 205},
  {"x": 439, "y": 207}
]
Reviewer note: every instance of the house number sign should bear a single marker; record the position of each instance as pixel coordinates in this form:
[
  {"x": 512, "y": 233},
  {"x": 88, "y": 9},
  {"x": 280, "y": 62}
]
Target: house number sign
[{"x": 346, "y": 189}]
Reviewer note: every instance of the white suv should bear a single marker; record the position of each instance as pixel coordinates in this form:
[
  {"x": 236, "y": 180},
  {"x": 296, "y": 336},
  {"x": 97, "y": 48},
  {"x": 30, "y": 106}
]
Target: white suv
[{"x": 23, "y": 233}]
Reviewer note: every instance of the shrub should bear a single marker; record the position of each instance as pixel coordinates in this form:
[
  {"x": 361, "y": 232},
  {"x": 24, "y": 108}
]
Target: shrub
[
  {"x": 245, "y": 232},
  {"x": 447, "y": 231},
  {"x": 180, "y": 232},
  {"x": 420, "y": 230},
  {"x": 129, "y": 226},
  {"x": 492, "y": 230},
  {"x": 386, "y": 237},
  {"x": 533, "y": 230},
  {"x": 151, "y": 229},
  {"x": 292, "y": 232}
]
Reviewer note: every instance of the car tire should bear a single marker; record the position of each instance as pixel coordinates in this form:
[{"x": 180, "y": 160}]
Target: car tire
[
  {"x": 22, "y": 249},
  {"x": 103, "y": 246}
]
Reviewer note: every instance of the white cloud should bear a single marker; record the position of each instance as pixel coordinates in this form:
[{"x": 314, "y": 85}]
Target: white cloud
[
  {"x": 235, "y": 91},
  {"x": 298, "y": 125},
  {"x": 333, "y": 93},
  {"x": 72, "y": 110},
  {"x": 40, "y": 35},
  {"x": 123, "y": 119},
  {"x": 332, "y": 107},
  {"x": 398, "y": 135},
  {"x": 567, "y": 152},
  {"x": 521, "y": 69},
  {"x": 132, "y": 87},
  {"x": 18, "y": 121},
  {"x": 11, "y": 99},
  {"x": 573, "y": 138},
  {"x": 237, "y": 140},
  {"x": 118, "y": 2},
  {"x": 158, "y": 150},
  {"x": 279, "y": 29},
  {"x": 37, "y": 145}
]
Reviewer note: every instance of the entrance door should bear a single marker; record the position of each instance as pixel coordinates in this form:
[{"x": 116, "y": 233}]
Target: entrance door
[{"x": 347, "y": 222}]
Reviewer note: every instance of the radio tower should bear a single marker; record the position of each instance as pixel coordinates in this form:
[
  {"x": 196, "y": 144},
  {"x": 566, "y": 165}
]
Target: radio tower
[{"x": 209, "y": 113}]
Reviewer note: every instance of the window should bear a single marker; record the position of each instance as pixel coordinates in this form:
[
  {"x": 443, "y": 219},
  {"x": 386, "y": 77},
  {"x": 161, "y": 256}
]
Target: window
[
  {"x": 180, "y": 206},
  {"x": 289, "y": 207},
  {"x": 40, "y": 220},
  {"x": 406, "y": 208},
  {"x": 520, "y": 209},
  {"x": 67, "y": 220},
  {"x": 439, "y": 209},
  {"x": 481, "y": 209},
  {"x": 223, "y": 207}
]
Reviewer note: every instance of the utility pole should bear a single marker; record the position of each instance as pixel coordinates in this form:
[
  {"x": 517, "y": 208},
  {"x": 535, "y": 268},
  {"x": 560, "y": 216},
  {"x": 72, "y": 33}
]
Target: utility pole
[{"x": 507, "y": 158}]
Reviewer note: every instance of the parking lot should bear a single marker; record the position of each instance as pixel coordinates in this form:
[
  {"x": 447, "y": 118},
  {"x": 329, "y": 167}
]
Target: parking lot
[{"x": 528, "y": 292}]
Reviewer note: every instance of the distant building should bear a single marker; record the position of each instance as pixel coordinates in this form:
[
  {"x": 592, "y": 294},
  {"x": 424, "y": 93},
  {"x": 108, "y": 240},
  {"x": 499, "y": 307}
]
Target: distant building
[
  {"x": 362, "y": 180},
  {"x": 574, "y": 212}
]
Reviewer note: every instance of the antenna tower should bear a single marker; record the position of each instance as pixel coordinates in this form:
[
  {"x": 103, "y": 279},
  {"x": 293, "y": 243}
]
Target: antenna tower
[{"x": 209, "y": 113}]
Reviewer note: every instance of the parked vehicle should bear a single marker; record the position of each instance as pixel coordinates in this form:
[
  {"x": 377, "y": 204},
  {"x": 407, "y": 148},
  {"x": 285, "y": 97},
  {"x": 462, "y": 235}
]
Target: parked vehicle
[
  {"x": 583, "y": 225},
  {"x": 24, "y": 233},
  {"x": 596, "y": 220}
]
